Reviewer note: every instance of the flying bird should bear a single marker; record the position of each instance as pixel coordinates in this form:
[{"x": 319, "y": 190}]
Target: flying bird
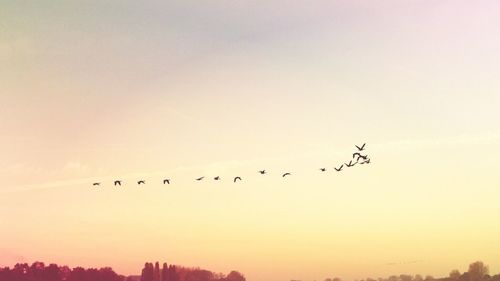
[
  {"x": 367, "y": 161},
  {"x": 118, "y": 183},
  {"x": 199, "y": 179},
  {"x": 141, "y": 182},
  {"x": 339, "y": 168},
  {"x": 361, "y": 148},
  {"x": 96, "y": 184},
  {"x": 166, "y": 181},
  {"x": 217, "y": 178},
  {"x": 263, "y": 172},
  {"x": 364, "y": 157},
  {"x": 322, "y": 169},
  {"x": 286, "y": 174},
  {"x": 350, "y": 164},
  {"x": 355, "y": 154},
  {"x": 236, "y": 178}
]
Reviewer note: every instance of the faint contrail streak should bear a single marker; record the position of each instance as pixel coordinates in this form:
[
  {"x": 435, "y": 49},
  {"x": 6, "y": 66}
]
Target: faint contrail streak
[{"x": 405, "y": 262}]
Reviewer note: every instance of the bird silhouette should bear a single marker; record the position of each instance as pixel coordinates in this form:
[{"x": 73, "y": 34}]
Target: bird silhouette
[
  {"x": 217, "y": 178},
  {"x": 286, "y": 174},
  {"x": 141, "y": 182},
  {"x": 199, "y": 179},
  {"x": 350, "y": 164},
  {"x": 96, "y": 184},
  {"x": 118, "y": 183},
  {"x": 367, "y": 161},
  {"x": 339, "y": 168},
  {"x": 364, "y": 157},
  {"x": 263, "y": 172},
  {"x": 236, "y": 178},
  {"x": 322, "y": 169},
  {"x": 166, "y": 181},
  {"x": 361, "y": 148}
]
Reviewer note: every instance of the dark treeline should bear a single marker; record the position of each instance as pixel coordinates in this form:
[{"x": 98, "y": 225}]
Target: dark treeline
[
  {"x": 38, "y": 271},
  {"x": 152, "y": 272},
  {"x": 478, "y": 271}
]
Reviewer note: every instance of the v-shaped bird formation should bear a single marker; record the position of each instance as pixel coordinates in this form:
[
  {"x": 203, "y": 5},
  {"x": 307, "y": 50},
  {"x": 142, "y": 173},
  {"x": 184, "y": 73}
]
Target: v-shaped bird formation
[{"x": 358, "y": 158}]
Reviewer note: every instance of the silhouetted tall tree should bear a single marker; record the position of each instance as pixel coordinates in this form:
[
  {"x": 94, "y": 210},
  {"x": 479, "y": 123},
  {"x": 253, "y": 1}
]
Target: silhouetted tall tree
[
  {"x": 172, "y": 273},
  {"x": 147, "y": 272},
  {"x": 164, "y": 272},
  {"x": 477, "y": 271},
  {"x": 156, "y": 276}
]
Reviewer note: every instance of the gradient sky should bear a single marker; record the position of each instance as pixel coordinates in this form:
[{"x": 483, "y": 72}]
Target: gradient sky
[{"x": 98, "y": 90}]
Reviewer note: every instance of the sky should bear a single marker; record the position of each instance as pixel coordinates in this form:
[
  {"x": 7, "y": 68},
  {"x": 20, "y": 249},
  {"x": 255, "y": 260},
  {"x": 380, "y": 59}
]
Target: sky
[{"x": 93, "y": 91}]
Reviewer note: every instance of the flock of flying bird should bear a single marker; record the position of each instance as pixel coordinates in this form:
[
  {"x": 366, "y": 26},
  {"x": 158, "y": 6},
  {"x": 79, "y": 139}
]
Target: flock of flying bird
[{"x": 360, "y": 159}]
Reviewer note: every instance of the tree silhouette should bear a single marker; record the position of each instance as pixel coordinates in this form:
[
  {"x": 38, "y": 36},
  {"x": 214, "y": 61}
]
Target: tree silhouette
[
  {"x": 405, "y": 277},
  {"x": 147, "y": 272},
  {"x": 156, "y": 276},
  {"x": 199, "y": 275},
  {"x": 455, "y": 275},
  {"x": 477, "y": 271},
  {"x": 393, "y": 278},
  {"x": 164, "y": 273},
  {"x": 172, "y": 273},
  {"x": 235, "y": 276}
]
